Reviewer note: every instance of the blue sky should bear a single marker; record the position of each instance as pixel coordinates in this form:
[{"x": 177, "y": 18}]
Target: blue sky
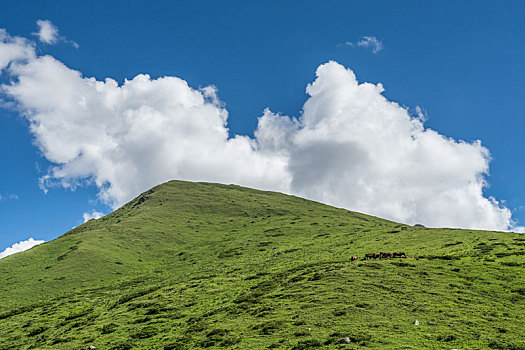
[{"x": 462, "y": 64}]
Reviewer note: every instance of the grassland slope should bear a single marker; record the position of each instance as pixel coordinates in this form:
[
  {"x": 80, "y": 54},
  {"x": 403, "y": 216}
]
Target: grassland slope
[{"x": 199, "y": 265}]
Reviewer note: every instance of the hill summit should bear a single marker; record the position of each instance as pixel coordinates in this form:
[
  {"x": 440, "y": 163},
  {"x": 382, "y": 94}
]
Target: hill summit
[{"x": 200, "y": 265}]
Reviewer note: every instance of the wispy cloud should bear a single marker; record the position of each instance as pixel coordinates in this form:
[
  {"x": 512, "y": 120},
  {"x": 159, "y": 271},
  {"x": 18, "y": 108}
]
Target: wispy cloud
[
  {"x": 346, "y": 43},
  {"x": 11, "y": 196},
  {"x": 20, "y": 247},
  {"x": 48, "y": 34},
  {"x": 370, "y": 42}
]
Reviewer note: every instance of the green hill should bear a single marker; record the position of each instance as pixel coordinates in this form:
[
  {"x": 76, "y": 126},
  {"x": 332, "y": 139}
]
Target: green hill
[{"x": 199, "y": 265}]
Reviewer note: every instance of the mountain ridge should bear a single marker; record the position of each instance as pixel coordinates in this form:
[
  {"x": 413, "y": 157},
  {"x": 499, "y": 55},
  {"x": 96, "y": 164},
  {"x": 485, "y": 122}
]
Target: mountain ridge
[{"x": 196, "y": 265}]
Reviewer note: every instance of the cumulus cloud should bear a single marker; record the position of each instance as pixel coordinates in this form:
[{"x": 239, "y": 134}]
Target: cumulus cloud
[
  {"x": 93, "y": 215},
  {"x": 128, "y": 138},
  {"x": 367, "y": 42},
  {"x": 358, "y": 150},
  {"x": 20, "y": 247},
  {"x": 351, "y": 147}
]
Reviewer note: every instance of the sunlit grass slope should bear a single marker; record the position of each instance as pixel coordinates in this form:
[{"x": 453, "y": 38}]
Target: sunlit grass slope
[{"x": 198, "y": 265}]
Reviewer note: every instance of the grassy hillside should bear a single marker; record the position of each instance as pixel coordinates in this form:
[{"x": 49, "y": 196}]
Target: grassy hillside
[{"x": 197, "y": 265}]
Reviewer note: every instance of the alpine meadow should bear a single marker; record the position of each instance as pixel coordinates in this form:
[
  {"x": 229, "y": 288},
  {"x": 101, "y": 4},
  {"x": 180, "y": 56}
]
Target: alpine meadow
[
  {"x": 201, "y": 265},
  {"x": 249, "y": 175}
]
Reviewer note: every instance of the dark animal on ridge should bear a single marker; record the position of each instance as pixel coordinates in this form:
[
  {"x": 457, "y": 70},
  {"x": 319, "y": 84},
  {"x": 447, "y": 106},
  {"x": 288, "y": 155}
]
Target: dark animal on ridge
[{"x": 385, "y": 255}]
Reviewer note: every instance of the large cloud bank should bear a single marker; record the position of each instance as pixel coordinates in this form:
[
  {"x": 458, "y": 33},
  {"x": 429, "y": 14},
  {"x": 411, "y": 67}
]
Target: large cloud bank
[{"x": 351, "y": 147}]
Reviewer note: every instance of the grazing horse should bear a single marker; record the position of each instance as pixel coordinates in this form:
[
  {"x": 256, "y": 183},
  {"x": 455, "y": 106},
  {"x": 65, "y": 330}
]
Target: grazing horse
[
  {"x": 385, "y": 255},
  {"x": 371, "y": 256},
  {"x": 354, "y": 258},
  {"x": 399, "y": 255}
]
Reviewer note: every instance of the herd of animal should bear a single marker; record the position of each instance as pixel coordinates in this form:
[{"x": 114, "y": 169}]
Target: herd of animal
[{"x": 382, "y": 255}]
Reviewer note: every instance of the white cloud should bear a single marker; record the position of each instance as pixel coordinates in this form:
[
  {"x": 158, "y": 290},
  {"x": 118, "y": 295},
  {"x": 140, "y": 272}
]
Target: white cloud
[
  {"x": 11, "y": 196},
  {"x": 367, "y": 42},
  {"x": 20, "y": 247},
  {"x": 358, "y": 150},
  {"x": 13, "y": 49},
  {"x": 47, "y": 32},
  {"x": 93, "y": 215},
  {"x": 371, "y": 42},
  {"x": 351, "y": 147},
  {"x": 346, "y": 43}
]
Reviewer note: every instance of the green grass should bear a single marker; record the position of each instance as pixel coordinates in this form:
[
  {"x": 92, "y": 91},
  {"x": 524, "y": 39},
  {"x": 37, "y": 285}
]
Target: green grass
[{"x": 198, "y": 265}]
